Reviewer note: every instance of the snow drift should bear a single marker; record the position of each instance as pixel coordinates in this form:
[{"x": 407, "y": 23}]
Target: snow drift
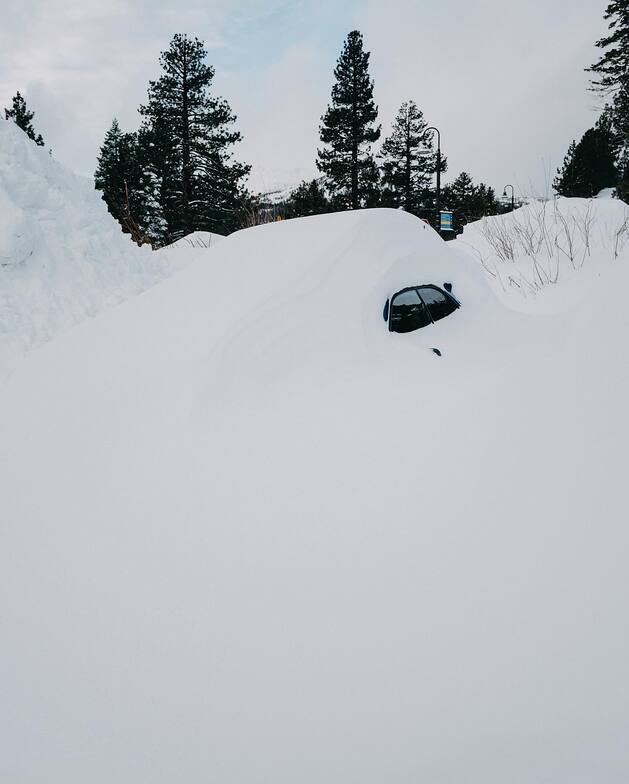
[
  {"x": 526, "y": 253},
  {"x": 62, "y": 257},
  {"x": 249, "y": 535}
]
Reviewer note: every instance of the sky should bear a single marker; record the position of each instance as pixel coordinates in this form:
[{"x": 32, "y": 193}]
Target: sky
[{"x": 504, "y": 81}]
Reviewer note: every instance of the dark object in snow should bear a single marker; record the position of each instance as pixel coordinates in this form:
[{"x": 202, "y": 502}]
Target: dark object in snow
[
  {"x": 419, "y": 306},
  {"x": 436, "y": 351}
]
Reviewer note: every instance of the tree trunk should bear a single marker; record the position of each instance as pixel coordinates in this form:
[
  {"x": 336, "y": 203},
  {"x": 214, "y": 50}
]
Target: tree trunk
[
  {"x": 354, "y": 165},
  {"x": 407, "y": 195},
  {"x": 186, "y": 184}
]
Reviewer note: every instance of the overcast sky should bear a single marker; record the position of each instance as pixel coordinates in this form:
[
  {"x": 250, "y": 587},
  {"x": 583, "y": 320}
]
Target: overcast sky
[{"x": 503, "y": 80}]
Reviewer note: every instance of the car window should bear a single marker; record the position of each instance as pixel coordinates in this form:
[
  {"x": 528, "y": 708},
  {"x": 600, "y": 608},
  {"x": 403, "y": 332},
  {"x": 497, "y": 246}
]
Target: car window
[
  {"x": 438, "y": 302},
  {"x": 408, "y": 312}
]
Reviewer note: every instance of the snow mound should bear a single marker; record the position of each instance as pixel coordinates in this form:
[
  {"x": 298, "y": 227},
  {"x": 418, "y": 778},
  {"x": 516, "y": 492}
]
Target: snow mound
[
  {"x": 197, "y": 239},
  {"x": 62, "y": 256},
  {"x": 249, "y": 535},
  {"x": 311, "y": 291},
  {"x": 528, "y": 252},
  {"x": 607, "y": 193}
]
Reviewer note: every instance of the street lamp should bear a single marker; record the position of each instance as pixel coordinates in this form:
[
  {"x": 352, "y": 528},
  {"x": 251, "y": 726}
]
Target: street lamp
[
  {"x": 504, "y": 193},
  {"x": 436, "y": 130}
]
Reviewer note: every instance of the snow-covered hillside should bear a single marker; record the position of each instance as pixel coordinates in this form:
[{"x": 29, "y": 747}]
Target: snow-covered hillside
[
  {"x": 249, "y": 535},
  {"x": 62, "y": 256}
]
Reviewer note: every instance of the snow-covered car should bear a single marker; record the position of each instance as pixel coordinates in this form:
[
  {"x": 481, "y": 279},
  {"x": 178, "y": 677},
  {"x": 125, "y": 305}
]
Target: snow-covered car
[{"x": 316, "y": 288}]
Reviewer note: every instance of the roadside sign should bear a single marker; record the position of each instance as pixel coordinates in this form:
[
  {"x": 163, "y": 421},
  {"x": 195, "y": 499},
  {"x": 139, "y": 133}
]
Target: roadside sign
[{"x": 445, "y": 221}]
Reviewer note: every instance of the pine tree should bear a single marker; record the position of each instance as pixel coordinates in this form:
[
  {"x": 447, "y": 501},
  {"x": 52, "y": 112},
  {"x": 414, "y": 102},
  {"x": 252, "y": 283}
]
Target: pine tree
[
  {"x": 153, "y": 161},
  {"x": 485, "y": 201},
  {"x": 590, "y": 165},
  {"x": 23, "y": 118},
  {"x": 612, "y": 69},
  {"x": 118, "y": 177},
  {"x": 467, "y": 201},
  {"x": 189, "y": 139},
  {"x": 569, "y": 179},
  {"x": 611, "y": 78},
  {"x": 408, "y": 160},
  {"x": 348, "y": 130},
  {"x": 308, "y": 198}
]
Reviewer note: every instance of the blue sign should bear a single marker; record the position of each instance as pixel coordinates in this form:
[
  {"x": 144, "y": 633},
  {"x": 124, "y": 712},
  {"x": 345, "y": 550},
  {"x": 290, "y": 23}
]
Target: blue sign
[{"x": 445, "y": 221}]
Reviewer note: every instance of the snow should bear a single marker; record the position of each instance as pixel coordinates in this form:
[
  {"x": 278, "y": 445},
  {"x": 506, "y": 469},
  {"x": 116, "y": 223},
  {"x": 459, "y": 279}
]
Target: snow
[
  {"x": 63, "y": 258},
  {"x": 534, "y": 257},
  {"x": 249, "y": 535},
  {"x": 197, "y": 239}
]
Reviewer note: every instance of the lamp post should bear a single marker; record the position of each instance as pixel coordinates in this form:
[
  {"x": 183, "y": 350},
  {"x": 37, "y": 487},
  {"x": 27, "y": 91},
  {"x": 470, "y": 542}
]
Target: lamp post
[
  {"x": 504, "y": 193},
  {"x": 436, "y": 130}
]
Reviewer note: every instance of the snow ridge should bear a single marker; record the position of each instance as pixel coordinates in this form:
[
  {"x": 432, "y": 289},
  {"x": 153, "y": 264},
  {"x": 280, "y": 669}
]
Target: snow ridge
[{"x": 63, "y": 258}]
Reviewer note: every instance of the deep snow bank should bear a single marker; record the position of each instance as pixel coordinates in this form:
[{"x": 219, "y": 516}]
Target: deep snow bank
[
  {"x": 62, "y": 257},
  {"x": 528, "y": 252},
  {"x": 251, "y": 536}
]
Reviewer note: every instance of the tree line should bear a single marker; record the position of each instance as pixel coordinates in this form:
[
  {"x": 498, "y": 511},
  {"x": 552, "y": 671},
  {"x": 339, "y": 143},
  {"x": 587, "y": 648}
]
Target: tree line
[
  {"x": 600, "y": 159},
  {"x": 400, "y": 175},
  {"x": 177, "y": 173}
]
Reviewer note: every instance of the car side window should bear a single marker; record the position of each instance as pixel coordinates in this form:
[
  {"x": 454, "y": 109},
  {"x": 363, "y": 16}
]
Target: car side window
[
  {"x": 439, "y": 304},
  {"x": 408, "y": 312}
]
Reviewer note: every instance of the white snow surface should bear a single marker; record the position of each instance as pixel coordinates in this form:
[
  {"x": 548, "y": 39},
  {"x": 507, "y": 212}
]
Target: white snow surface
[
  {"x": 542, "y": 257},
  {"x": 249, "y": 535},
  {"x": 607, "y": 193},
  {"x": 63, "y": 258},
  {"x": 197, "y": 239}
]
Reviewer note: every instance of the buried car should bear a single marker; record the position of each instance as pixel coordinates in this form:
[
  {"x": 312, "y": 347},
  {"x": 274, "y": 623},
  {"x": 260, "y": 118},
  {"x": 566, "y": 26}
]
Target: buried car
[{"x": 309, "y": 292}]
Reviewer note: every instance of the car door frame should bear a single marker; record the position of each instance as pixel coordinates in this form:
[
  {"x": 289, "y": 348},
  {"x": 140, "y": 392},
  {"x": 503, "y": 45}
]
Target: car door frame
[{"x": 417, "y": 288}]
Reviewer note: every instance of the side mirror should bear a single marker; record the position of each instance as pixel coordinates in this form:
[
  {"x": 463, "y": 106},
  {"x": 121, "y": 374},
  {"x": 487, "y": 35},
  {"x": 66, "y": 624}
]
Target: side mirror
[
  {"x": 448, "y": 287},
  {"x": 385, "y": 312}
]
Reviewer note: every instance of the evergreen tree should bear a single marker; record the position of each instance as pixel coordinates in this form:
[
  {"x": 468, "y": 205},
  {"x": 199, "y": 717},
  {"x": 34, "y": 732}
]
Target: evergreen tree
[
  {"x": 458, "y": 196},
  {"x": 348, "y": 130},
  {"x": 118, "y": 176},
  {"x": 156, "y": 161},
  {"x": 23, "y": 118},
  {"x": 619, "y": 123},
  {"x": 569, "y": 180},
  {"x": 612, "y": 69},
  {"x": 485, "y": 201},
  {"x": 611, "y": 77},
  {"x": 409, "y": 162},
  {"x": 309, "y": 198},
  {"x": 188, "y": 136},
  {"x": 590, "y": 165},
  {"x": 467, "y": 201}
]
